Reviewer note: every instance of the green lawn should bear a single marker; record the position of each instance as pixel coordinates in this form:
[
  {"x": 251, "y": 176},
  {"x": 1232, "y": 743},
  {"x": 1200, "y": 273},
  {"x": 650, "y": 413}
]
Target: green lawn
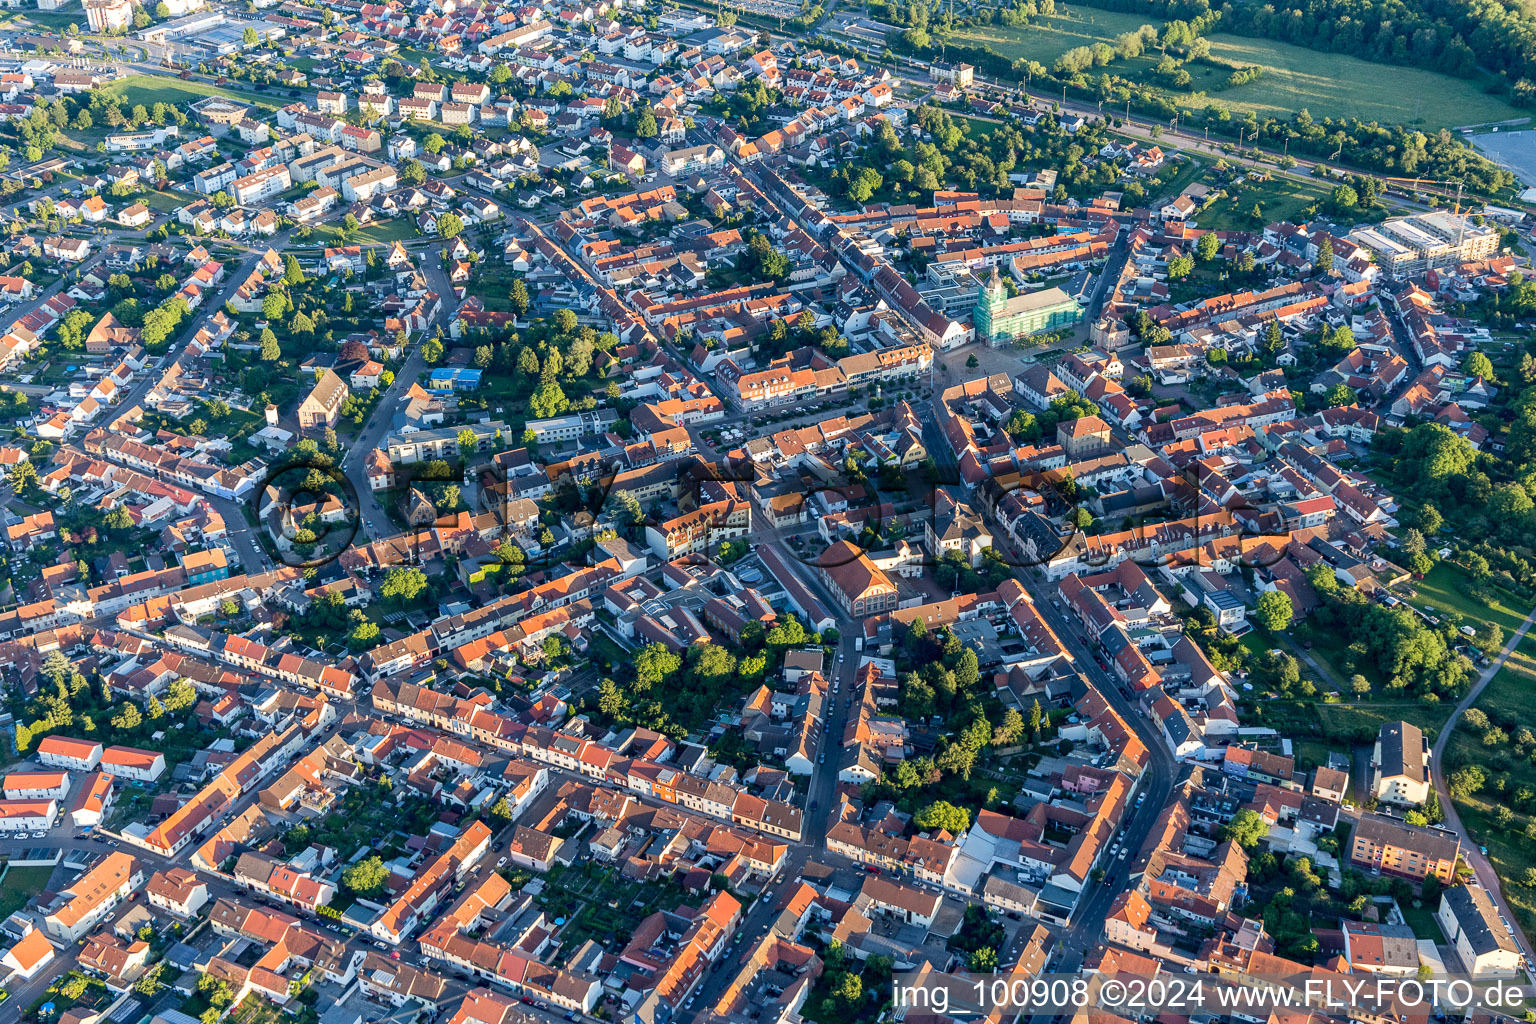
[
  {"x": 1445, "y": 588},
  {"x": 976, "y": 128},
  {"x": 165, "y": 202},
  {"x": 1335, "y": 726},
  {"x": 493, "y": 284},
  {"x": 1045, "y": 39},
  {"x": 19, "y": 886},
  {"x": 1278, "y": 199},
  {"x": 56, "y": 21},
  {"x": 150, "y": 89},
  {"x": 378, "y": 233},
  {"x": 1421, "y": 919}
]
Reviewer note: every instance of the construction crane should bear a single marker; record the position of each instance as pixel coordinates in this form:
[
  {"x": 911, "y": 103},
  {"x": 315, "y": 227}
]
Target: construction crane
[{"x": 1461, "y": 226}]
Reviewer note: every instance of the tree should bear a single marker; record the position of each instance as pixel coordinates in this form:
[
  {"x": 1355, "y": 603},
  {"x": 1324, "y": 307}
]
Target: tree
[
  {"x": 1246, "y": 829},
  {"x": 565, "y": 321},
  {"x": 1180, "y": 267},
  {"x": 1011, "y": 731},
  {"x": 149, "y": 983},
  {"x": 248, "y": 37},
  {"x": 548, "y": 401},
  {"x": 610, "y": 699},
  {"x": 1022, "y": 427},
  {"x": 274, "y": 305},
  {"x": 1275, "y": 611},
  {"x": 128, "y": 718},
  {"x": 23, "y": 477},
  {"x": 501, "y": 812},
  {"x": 645, "y": 123},
  {"x": 301, "y": 324},
  {"x": 403, "y": 585},
  {"x": 1477, "y": 364},
  {"x": 56, "y": 668},
  {"x": 1466, "y": 781},
  {"x": 1324, "y": 261},
  {"x": 450, "y": 225},
  {"x": 179, "y": 696},
  {"x": 1430, "y": 519},
  {"x": 957, "y": 759},
  {"x": 432, "y": 350},
  {"x": 366, "y": 877},
  {"x": 654, "y": 664},
  {"x": 982, "y": 960},
  {"x": 271, "y": 351},
  {"x": 848, "y": 990},
  {"x": 434, "y": 143},
  {"x": 519, "y": 299},
  {"x": 363, "y": 636},
  {"x": 1208, "y": 246},
  {"x": 118, "y": 520},
  {"x": 945, "y": 815},
  {"x": 1339, "y": 396},
  {"x": 629, "y": 507}
]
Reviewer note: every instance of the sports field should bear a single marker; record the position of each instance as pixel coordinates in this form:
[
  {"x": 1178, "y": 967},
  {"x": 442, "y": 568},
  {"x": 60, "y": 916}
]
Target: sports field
[
  {"x": 1325, "y": 84},
  {"x": 150, "y": 89}
]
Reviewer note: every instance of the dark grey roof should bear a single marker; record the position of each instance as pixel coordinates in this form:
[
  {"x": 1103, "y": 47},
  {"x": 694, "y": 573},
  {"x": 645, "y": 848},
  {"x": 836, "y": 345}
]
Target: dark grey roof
[
  {"x": 1402, "y": 751},
  {"x": 1477, "y": 917}
]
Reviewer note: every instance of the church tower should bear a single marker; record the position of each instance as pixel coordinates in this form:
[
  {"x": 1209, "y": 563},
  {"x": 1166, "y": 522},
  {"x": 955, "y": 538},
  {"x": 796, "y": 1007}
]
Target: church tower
[{"x": 991, "y": 304}]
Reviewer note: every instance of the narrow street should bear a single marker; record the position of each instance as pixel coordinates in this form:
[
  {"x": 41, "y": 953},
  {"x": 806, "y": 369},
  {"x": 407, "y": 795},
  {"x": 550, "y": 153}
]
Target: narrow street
[
  {"x": 1471, "y": 852},
  {"x": 376, "y": 522}
]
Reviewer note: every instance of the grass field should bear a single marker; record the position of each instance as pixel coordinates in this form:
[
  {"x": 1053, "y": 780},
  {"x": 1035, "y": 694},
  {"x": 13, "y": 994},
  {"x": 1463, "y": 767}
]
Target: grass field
[
  {"x": 1421, "y": 919},
  {"x": 1445, "y": 588},
  {"x": 150, "y": 89},
  {"x": 1278, "y": 199},
  {"x": 378, "y": 233},
  {"x": 19, "y": 886},
  {"x": 1335, "y": 85},
  {"x": 1045, "y": 39},
  {"x": 1328, "y": 725},
  {"x": 1325, "y": 84},
  {"x": 57, "y": 21},
  {"x": 977, "y": 129}
]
